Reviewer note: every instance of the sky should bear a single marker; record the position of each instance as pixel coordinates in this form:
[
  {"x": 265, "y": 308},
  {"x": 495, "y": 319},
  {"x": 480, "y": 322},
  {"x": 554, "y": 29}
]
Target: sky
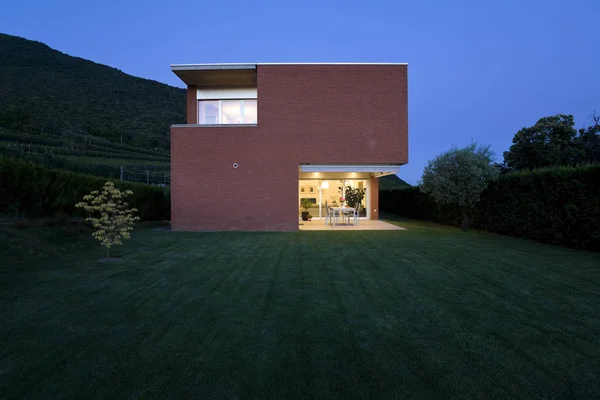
[{"x": 478, "y": 70}]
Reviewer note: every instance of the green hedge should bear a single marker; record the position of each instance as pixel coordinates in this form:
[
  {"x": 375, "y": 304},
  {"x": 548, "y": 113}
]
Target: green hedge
[
  {"x": 558, "y": 206},
  {"x": 37, "y": 191}
]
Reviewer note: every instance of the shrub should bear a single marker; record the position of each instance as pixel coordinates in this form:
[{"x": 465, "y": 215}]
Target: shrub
[
  {"x": 109, "y": 215},
  {"x": 36, "y": 191},
  {"x": 557, "y": 205}
]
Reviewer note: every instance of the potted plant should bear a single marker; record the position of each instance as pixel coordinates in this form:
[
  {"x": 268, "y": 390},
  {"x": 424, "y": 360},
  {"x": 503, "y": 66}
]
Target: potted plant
[
  {"x": 306, "y": 204},
  {"x": 354, "y": 196}
]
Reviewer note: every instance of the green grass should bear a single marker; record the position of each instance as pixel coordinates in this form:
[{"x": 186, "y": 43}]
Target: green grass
[{"x": 431, "y": 312}]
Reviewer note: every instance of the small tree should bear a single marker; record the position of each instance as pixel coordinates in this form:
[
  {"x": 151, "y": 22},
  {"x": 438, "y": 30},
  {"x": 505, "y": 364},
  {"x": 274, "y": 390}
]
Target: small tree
[
  {"x": 459, "y": 176},
  {"x": 109, "y": 215}
]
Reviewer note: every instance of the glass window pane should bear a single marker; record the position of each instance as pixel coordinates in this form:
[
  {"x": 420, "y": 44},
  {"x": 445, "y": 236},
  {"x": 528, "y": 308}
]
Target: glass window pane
[
  {"x": 309, "y": 189},
  {"x": 231, "y": 112},
  {"x": 360, "y": 185},
  {"x": 250, "y": 115},
  {"x": 208, "y": 112}
]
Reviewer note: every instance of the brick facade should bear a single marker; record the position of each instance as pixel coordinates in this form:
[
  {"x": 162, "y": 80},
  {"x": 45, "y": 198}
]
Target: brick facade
[
  {"x": 192, "y": 105},
  {"x": 317, "y": 114}
]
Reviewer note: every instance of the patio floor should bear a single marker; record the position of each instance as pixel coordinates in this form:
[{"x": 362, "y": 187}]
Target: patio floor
[{"x": 363, "y": 225}]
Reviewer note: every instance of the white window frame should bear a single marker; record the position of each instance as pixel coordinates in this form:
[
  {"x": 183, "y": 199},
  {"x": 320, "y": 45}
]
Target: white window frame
[{"x": 242, "y": 103}]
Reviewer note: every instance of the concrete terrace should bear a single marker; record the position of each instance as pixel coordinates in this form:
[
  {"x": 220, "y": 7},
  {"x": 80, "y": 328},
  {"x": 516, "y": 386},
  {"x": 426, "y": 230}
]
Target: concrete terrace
[{"x": 363, "y": 225}]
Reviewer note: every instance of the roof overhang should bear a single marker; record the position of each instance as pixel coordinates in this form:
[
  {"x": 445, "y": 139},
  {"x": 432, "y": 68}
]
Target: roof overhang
[
  {"x": 234, "y": 74},
  {"x": 216, "y": 75},
  {"x": 376, "y": 170}
]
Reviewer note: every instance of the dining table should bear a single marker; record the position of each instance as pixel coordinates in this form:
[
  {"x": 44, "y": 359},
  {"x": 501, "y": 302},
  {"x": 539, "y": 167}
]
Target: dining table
[{"x": 341, "y": 211}]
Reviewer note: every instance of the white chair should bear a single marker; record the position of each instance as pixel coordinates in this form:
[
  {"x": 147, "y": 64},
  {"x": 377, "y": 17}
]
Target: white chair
[
  {"x": 356, "y": 210},
  {"x": 354, "y": 214},
  {"x": 330, "y": 214}
]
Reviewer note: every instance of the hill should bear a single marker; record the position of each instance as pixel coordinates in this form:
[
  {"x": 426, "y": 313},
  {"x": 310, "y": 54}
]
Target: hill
[
  {"x": 392, "y": 182},
  {"x": 48, "y": 92}
]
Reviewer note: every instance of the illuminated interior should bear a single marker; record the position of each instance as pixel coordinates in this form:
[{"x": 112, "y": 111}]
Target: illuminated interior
[
  {"x": 217, "y": 112},
  {"x": 319, "y": 191}
]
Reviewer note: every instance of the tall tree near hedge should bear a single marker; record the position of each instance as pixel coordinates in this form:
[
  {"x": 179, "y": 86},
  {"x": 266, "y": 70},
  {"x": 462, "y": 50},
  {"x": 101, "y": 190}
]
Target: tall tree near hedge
[
  {"x": 458, "y": 176},
  {"x": 550, "y": 142},
  {"x": 588, "y": 141}
]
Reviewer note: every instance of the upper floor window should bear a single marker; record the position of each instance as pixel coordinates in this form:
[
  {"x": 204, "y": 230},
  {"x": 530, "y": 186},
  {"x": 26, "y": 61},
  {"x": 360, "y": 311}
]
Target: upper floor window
[{"x": 216, "y": 112}]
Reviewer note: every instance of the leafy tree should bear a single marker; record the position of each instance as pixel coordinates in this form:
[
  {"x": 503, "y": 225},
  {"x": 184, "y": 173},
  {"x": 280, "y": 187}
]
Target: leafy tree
[
  {"x": 588, "y": 141},
  {"x": 459, "y": 176},
  {"x": 548, "y": 143},
  {"x": 503, "y": 168},
  {"x": 109, "y": 215}
]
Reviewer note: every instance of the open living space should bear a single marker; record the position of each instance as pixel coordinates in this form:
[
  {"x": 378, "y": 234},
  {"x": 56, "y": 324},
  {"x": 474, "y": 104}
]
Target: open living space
[{"x": 262, "y": 140}]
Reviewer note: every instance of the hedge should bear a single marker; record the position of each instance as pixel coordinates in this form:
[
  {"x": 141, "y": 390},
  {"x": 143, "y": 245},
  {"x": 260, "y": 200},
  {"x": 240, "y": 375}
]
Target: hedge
[
  {"x": 37, "y": 191},
  {"x": 557, "y": 205}
]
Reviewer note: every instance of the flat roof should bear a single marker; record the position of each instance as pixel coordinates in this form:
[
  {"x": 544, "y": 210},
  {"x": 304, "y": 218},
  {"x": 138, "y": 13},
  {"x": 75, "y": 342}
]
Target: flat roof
[
  {"x": 210, "y": 66},
  {"x": 235, "y": 74}
]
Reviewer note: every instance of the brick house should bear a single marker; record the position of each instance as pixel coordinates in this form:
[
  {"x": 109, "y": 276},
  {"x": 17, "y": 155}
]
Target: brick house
[{"x": 260, "y": 137}]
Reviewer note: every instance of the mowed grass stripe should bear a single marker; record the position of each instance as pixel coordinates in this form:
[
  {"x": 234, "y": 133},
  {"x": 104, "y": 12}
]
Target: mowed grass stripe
[{"x": 430, "y": 312}]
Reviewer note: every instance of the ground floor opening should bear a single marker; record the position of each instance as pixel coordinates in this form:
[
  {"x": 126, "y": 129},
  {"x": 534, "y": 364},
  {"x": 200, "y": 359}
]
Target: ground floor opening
[
  {"x": 333, "y": 192},
  {"x": 333, "y": 186}
]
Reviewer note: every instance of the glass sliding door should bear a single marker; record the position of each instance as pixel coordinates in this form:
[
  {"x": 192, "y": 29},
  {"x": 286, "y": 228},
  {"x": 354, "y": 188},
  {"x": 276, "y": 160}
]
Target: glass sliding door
[
  {"x": 330, "y": 191},
  {"x": 358, "y": 185},
  {"x": 309, "y": 189}
]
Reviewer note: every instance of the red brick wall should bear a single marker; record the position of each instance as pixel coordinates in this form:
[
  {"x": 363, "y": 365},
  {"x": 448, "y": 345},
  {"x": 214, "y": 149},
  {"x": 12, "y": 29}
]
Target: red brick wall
[
  {"x": 318, "y": 114},
  {"x": 207, "y": 193},
  {"x": 192, "y": 105},
  {"x": 374, "y": 193}
]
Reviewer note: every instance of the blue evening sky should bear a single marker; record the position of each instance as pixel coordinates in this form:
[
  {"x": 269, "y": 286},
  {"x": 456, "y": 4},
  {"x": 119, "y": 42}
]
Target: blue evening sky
[{"x": 478, "y": 70}]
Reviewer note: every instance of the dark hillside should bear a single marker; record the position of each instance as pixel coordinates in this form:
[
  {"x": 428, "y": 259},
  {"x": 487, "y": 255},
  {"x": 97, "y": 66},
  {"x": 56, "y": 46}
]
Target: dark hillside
[{"x": 44, "y": 91}]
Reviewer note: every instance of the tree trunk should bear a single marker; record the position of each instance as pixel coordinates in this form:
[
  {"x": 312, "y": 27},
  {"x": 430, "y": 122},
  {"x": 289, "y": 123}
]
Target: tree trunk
[
  {"x": 108, "y": 254},
  {"x": 465, "y": 221}
]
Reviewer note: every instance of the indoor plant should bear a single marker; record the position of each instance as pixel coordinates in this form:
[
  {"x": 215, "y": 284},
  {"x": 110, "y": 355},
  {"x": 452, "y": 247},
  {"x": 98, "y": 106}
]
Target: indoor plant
[
  {"x": 354, "y": 196},
  {"x": 306, "y": 204}
]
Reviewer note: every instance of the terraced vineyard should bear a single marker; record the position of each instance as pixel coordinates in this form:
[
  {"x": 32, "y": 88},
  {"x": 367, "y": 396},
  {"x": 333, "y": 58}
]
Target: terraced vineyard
[{"x": 89, "y": 154}]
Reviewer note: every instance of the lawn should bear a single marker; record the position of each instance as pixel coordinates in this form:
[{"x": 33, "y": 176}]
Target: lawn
[{"x": 430, "y": 312}]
